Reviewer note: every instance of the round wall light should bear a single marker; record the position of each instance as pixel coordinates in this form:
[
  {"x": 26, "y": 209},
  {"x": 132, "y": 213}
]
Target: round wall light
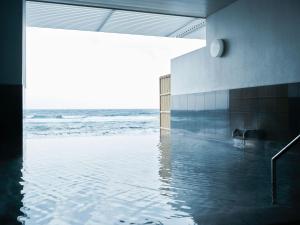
[{"x": 217, "y": 48}]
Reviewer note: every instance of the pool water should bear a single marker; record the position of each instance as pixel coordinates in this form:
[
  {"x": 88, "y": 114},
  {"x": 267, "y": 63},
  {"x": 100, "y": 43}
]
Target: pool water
[
  {"x": 175, "y": 179},
  {"x": 98, "y": 180}
]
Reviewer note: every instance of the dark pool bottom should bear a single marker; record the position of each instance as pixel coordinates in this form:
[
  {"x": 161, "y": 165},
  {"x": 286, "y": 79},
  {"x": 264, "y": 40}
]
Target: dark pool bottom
[{"x": 142, "y": 179}]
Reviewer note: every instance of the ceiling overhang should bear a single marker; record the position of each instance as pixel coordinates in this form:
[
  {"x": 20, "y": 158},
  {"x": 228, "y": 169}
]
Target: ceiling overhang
[
  {"x": 187, "y": 8},
  {"x": 97, "y": 19},
  {"x": 166, "y": 18}
]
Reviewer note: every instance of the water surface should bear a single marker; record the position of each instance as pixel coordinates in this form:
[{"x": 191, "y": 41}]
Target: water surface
[
  {"x": 89, "y": 122},
  {"x": 139, "y": 177},
  {"x": 99, "y": 180}
]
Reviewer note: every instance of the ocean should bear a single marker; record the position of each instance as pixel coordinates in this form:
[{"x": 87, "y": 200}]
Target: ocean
[{"x": 89, "y": 122}]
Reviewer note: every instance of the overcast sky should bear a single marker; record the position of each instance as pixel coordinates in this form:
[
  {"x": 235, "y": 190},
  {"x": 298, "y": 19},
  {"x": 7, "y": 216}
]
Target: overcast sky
[{"x": 78, "y": 69}]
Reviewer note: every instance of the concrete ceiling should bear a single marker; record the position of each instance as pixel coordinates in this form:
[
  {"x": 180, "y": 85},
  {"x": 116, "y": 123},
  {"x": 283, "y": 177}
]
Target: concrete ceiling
[{"x": 189, "y": 8}]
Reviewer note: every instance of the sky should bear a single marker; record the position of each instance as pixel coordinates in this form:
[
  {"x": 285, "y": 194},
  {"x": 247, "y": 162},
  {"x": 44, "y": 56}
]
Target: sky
[{"x": 67, "y": 69}]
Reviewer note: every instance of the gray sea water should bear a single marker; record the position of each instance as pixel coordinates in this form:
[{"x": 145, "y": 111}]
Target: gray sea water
[{"x": 89, "y": 122}]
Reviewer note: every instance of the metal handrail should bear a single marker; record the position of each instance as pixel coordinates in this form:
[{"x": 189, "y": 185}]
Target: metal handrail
[{"x": 273, "y": 167}]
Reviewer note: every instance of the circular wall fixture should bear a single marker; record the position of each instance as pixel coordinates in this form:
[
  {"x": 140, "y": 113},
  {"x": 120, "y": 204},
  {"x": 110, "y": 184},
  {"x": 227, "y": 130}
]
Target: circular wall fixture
[{"x": 217, "y": 48}]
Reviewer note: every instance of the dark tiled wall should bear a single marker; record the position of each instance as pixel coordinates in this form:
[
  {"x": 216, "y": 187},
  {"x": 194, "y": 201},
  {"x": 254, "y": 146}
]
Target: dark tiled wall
[
  {"x": 274, "y": 109},
  {"x": 11, "y": 121}
]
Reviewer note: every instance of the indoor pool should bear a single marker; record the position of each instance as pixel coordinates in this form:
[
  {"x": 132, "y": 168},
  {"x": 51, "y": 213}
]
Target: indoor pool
[{"x": 137, "y": 179}]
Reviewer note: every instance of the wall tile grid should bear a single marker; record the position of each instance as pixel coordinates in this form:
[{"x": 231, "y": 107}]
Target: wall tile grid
[{"x": 274, "y": 109}]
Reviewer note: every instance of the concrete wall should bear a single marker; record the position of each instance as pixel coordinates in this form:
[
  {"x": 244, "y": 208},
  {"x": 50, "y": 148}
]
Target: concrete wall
[
  {"x": 11, "y": 73},
  {"x": 262, "y": 48},
  {"x": 12, "y": 41}
]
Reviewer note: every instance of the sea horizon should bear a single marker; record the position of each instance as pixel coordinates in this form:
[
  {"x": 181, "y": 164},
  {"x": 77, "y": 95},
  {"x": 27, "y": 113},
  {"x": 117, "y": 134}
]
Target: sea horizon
[
  {"x": 90, "y": 109},
  {"x": 89, "y": 122}
]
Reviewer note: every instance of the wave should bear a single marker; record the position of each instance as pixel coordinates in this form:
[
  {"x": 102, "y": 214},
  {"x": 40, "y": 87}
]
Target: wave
[
  {"x": 90, "y": 119},
  {"x": 59, "y": 116},
  {"x": 74, "y": 114},
  {"x": 39, "y": 116},
  {"x": 73, "y": 117},
  {"x": 89, "y": 122}
]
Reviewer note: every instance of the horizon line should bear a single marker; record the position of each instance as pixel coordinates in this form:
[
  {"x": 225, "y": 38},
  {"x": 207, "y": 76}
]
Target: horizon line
[{"x": 89, "y": 108}]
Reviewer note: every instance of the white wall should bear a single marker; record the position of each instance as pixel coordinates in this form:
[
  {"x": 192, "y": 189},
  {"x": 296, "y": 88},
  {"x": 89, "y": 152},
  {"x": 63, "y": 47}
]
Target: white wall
[{"x": 262, "y": 48}]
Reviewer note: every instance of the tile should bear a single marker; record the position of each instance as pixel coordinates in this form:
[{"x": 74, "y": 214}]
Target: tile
[
  {"x": 191, "y": 102},
  {"x": 275, "y": 125},
  {"x": 222, "y": 100},
  {"x": 293, "y": 90},
  {"x": 267, "y": 105},
  {"x": 210, "y": 101},
  {"x": 266, "y": 91},
  {"x": 11, "y": 116},
  {"x": 237, "y": 120},
  {"x": 249, "y": 92},
  {"x": 235, "y": 93},
  {"x": 250, "y": 104},
  {"x": 251, "y": 121},
  {"x": 199, "y": 101},
  {"x": 235, "y": 105},
  {"x": 267, "y": 108},
  {"x": 282, "y": 104},
  {"x": 175, "y": 102},
  {"x": 182, "y": 102},
  {"x": 281, "y": 91}
]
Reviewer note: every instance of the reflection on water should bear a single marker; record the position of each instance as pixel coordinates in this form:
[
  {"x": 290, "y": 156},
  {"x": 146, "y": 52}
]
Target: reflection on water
[
  {"x": 145, "y": 179},
  {"x": 10, "y": 190},
  {"x": 100, "y": 180},
  {"x": 165, "y": 158}
]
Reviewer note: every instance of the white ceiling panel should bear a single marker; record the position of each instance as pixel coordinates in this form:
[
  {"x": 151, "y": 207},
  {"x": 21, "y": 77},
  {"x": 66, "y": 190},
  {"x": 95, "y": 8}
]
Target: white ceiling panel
[
  {"x": 194, "y": 29},
  {"x": 60, "y": 16},
  {"x": 189, "y": 8},
  {"x": 144, "y": 23}
]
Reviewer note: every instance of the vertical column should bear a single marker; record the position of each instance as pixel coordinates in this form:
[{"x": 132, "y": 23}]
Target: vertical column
[
  {"x": 165, "y": 99},
  {"x": 12, "y": 25}
]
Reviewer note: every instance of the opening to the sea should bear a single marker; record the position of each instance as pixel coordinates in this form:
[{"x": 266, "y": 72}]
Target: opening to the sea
[{"x": 93, "y": 151}]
